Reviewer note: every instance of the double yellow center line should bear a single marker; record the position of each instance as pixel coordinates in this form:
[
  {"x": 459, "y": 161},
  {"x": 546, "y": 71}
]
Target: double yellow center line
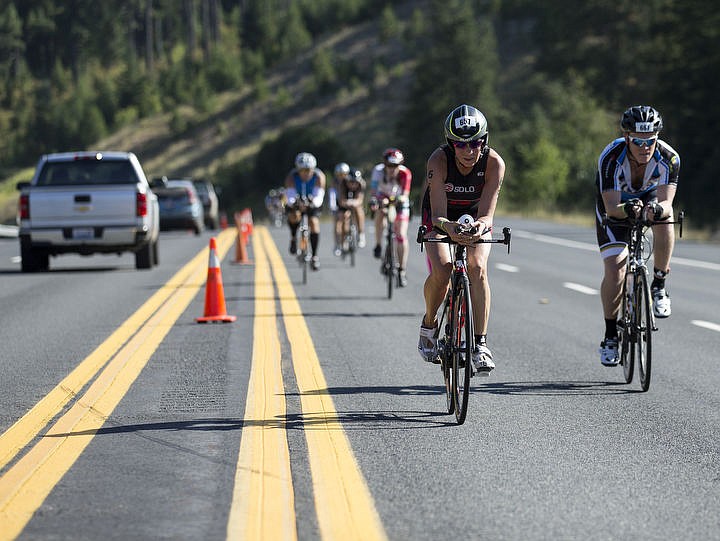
[
  {"x": 263, "y": 500},
  {"x": 263, "y": 497}
]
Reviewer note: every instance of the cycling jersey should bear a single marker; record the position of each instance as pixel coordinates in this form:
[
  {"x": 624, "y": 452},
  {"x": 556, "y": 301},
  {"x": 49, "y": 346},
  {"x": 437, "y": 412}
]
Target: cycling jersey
[
  {"x": 381, "y": 186},
  {"x": 350, "y": 188},
  {"x": 463, "y": 192},
  {"x": 614, "y": 171},
  {"x": 614, "y": 175},
  {"x": 304, "y": 189}
]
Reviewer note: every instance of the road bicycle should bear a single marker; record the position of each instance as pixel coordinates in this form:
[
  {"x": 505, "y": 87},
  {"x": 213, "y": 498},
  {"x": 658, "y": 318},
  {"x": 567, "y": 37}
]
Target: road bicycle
[
  {"x": 303, "y": 254},
  {"x": 637, "y": 320},
  {"x": 389, "y": 267},
  {"x": 456, "y": 322},
  {"x": 350, "y": 237}
]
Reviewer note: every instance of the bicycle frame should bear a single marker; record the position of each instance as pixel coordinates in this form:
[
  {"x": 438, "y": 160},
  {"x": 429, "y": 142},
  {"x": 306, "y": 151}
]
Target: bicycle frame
[
  {"x": 637, "y": 319},
  {"x": 389, "y": 265},
  {"x": 456, "y": 346},
  {"x": 304, "y": 254}
]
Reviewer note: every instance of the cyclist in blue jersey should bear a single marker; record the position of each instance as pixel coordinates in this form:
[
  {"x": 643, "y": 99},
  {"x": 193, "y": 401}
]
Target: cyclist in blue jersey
[
  {"x": 463, "y": 177},
  {"x": 637, "y": 176},
  {"x": 305, "y": 190}
]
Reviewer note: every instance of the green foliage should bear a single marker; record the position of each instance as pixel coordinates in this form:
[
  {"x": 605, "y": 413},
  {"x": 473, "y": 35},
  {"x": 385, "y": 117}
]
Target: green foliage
[
  {"x": 457, "y": 64},
  {"x": 541, "y": 177},
  {"x": 568, "y": 70},
  {"x": 323, "y": 66},
  {"x": 390, "y": 27}
]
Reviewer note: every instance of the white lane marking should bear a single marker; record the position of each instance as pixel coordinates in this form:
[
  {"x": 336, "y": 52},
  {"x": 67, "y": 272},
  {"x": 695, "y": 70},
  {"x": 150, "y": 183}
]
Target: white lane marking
[
  {"x": 581, "y": 288},
  {"x": 695, "y": 263},
  {"x": 556, "y": 240},
  {"x": 593, "y": 247},
  {"x": 506, "y": 268},
  {"x": 706, "y": 325}
]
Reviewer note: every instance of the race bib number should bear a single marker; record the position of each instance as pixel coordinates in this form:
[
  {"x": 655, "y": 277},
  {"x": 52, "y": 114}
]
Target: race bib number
[
  {"x": 642, "y": 127},
  {"x": 465, "y": 122}
]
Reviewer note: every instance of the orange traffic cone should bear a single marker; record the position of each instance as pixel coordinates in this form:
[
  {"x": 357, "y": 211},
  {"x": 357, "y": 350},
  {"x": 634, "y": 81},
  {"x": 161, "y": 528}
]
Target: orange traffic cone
[
  {"x": 214, "y": 295},
  {"x": 243, "y": 227}
]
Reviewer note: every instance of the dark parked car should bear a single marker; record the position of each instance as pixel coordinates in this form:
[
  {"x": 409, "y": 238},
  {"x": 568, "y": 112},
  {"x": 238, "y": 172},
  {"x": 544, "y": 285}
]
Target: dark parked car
[
  {"x": 209, "y": 198},
  {"x": 180, "y": 205}
]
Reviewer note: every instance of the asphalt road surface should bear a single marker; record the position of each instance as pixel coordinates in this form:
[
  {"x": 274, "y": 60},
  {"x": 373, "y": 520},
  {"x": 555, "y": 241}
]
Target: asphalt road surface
[{"x": 313, "y": 417}]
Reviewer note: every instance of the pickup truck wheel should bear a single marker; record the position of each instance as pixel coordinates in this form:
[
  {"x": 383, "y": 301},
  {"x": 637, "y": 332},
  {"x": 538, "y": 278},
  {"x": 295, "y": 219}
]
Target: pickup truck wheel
[
  {"x": 33, "y": 260},
  {"x": 143, "y": 257},
  {"x": 156, "y": 259}
]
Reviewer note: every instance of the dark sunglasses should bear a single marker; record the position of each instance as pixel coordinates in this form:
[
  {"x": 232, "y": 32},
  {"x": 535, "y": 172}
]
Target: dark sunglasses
[
  {"x": 472, "y": 144},
  {"x": 639, "y": 141}
]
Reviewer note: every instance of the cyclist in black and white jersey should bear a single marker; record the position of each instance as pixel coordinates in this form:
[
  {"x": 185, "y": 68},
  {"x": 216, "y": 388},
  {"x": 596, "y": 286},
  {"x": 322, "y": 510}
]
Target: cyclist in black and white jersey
[{"x": 637, "y": 176}]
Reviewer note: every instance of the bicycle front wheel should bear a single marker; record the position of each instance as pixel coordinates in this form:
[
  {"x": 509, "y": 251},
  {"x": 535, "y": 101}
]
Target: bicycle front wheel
[
  {"x": 627, "y": 330},
  {"x": 644, "y": 326},
  {"x": 462, "y": 346}
]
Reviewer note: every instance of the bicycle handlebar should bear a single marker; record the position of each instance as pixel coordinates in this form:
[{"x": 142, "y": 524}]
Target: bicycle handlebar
[
  {"x": 422, "y": 231},
  {"x": 641, "y": 221}
]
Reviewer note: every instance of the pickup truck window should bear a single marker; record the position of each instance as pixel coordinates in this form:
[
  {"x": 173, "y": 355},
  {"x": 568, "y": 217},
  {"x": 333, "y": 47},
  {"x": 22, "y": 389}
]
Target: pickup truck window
[{"x": 85, "y": 172}]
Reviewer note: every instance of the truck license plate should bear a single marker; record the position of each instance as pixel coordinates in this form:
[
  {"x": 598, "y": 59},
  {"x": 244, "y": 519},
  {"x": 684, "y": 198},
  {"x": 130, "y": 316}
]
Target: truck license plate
[{"x": 83, "y": 233}]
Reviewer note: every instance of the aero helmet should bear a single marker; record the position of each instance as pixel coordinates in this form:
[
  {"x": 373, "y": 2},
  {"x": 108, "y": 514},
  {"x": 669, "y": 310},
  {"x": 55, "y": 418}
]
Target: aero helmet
[
  {"x": 342, "y": 169},
  {"x": 465, "y": 123},
  {"x": 641, "y": 119},
  {"x": 305, "y": 160},
  {"x": 393, "y": 156}
]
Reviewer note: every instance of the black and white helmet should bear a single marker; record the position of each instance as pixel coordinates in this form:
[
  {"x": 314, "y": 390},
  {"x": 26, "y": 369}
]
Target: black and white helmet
[
  {"x": 305, "y": 160},
  {"x": 641, "y": 119},
  {"x": 465, "y": 123}
]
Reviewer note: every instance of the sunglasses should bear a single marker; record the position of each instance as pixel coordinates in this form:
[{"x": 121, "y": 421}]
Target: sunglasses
[
  {"x": 639, "y": 141},
  {"x": 472, "y": 144}
]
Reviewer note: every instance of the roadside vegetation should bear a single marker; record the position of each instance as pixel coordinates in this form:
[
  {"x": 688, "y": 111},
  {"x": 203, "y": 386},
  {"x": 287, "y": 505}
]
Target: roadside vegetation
[{"x": 233, "y": 90}]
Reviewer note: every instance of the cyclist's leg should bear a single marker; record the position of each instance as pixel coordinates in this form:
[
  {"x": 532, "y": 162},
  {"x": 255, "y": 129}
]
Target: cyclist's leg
[
  {"x": 437, "y": 282},
  {"x": 338, "y": 228},
  {"x": 360, "y": 218},
  {"x": 293, "y": 220},
  {"x": 401, "y": 240},
  {"x": 314, "y": 231},
  {"x": 379, "y": 231},
  {"x": 477, "y": 257}
]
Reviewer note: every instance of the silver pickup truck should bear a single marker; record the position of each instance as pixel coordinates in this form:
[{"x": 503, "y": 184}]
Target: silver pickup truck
[{"x": 87, "y": 203}]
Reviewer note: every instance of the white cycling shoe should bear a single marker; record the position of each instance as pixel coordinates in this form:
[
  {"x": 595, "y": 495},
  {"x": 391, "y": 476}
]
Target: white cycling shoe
[
  {"x": 661, "y": 303},
  {"x": 427, "y": 345},
  {"x": 482, "y": 360}
]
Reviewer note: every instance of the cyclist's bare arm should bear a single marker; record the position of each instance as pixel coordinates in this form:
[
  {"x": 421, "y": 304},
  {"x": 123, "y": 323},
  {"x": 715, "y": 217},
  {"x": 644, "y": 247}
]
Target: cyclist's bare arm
[{"x": 494, "y": 176}]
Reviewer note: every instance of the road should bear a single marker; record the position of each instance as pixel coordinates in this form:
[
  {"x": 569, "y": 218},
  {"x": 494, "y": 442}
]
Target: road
[{"x": 312, "y": 416}]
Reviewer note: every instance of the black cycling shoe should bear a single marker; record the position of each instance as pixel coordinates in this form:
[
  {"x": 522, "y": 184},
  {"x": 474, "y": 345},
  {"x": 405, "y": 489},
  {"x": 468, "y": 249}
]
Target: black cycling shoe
[
  {"x": 293, "y": 246},
  {"x": 377, "y": 251}
]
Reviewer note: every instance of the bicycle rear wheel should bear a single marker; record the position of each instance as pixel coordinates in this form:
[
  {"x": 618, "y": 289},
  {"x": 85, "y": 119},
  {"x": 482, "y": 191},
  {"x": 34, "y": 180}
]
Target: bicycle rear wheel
[
  {"x": 462, "y": 345},
  {"x": 389, "y": 269},
  {"x": 352, "y": 243},
  {"x": 644, "y": 326},
  {"x": 627, "y": 324}
]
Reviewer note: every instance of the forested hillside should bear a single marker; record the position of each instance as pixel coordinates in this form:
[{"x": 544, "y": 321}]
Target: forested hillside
[{"x": 233, "y": 89}]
